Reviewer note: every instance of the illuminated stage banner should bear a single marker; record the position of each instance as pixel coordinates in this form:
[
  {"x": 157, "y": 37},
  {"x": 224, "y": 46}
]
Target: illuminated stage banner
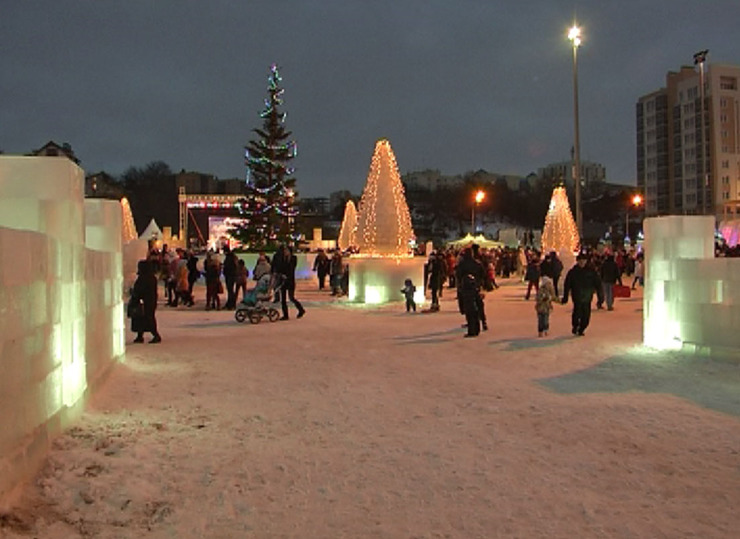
[{"x": 218, "y": 231}]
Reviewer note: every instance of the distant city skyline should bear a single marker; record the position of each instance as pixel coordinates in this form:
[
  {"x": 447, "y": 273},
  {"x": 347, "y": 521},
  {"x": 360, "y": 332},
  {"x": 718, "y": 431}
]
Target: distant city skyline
[{"x": 454, "y": 86}]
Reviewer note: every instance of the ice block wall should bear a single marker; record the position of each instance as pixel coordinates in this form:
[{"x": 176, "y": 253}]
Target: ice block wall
[
  {"x": 691, "y": 299},
  {"x": 104, "y": 312},
  {"x": 43, "y": 307}
]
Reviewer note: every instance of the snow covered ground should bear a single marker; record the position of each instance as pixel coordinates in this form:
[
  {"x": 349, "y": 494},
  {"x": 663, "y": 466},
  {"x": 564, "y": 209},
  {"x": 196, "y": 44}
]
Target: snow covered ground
[{"x": 370, "y": 422}]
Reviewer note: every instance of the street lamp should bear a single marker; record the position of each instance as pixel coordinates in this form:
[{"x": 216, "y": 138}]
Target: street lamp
[
  {"x": 479, "y": 196},
  {"x": 699, "y": 58},
  {"x": 636, "y": 200},
  {"x": 574, "y": 35}
]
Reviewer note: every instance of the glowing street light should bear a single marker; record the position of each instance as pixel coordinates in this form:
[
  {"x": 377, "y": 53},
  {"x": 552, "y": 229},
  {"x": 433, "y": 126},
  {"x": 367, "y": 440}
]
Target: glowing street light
[
  {"x": 479, "y": 196},
  {"x": 636, "y": 201},
  {"x": 574, "y": 35}
]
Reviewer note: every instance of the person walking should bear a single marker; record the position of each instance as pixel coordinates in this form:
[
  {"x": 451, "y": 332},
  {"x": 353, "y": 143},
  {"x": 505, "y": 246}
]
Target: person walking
[
  {"x": 336, "y": 273},
  {"x": 610, "y": 276},
  {"x": 193, "y": 275},
  {"x": 143, "y": 303},
  {"x": 240, "y": 281},
  {"x": 229, "y": 270},
  {"x": 557, "y": 270},
  {"x": 475, "y": 249},
  {"x": 581, "y": 282},
  {"x": 437, "y": 274},
  {"x": 532, "y": 274},
  {"x": 321, "y": 267},
  {"x": 408, "y": 292},
  {"x": 213, "y": 282},
  {"x": 639, "y": 271},
  {"x": 285, "y": 268},
  {"x": 469, "y": 276},
  {"x": 543, "y": 305}
]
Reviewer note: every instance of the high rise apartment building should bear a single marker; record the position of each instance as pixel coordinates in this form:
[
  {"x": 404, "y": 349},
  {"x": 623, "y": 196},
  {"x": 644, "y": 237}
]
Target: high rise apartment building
[{"x": 676, "y": 172}]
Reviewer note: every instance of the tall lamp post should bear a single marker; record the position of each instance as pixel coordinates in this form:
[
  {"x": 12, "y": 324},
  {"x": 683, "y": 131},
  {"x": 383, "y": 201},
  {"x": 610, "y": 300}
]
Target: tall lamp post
[
  {"x": 636, "y": 200},
  {"x": 699, "y": 58},
  {"x": 574, "y": 35},
  {"x": 479, "y": 196}
]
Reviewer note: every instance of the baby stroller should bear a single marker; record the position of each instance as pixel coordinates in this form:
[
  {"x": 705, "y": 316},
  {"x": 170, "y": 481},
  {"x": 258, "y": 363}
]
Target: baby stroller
[{"x": 256, "y": 303}]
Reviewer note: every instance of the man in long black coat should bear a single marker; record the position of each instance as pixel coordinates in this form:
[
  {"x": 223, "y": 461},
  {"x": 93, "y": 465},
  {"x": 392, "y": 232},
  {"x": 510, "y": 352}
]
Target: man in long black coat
[
  {"x": 580, "y": 283},
  {"x": 469, "y": 273},
  {"x": 229, "y": 271},
  {"x": 144, "y": 291},
  {"x": 285, "y": 266}
]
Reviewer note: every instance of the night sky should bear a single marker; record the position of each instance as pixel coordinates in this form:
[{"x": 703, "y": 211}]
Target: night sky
[{"x": 454, "y": 85}]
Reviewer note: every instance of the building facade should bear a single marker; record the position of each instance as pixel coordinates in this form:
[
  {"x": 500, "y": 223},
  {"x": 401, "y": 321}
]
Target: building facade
[
  {"x": 683, "y": 169},
  {"x": 590, "y": 173}
]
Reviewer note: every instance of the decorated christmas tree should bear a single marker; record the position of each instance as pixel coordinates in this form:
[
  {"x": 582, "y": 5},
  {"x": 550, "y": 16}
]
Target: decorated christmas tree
[
  {"x": 269, "y": 208},
  {"x": 348, "y": 232},
  {"x": 383, "y": 220},
  {"x": 560, "y": 233}
]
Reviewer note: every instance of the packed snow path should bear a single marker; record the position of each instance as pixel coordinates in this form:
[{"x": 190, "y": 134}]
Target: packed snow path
[{"x": 369, "y": 422}]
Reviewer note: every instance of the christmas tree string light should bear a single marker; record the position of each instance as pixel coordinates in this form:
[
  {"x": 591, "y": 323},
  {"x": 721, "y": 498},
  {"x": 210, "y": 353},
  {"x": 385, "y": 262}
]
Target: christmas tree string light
[
  {"x": 383, "y": 221},
  {"x": 269, "y": 207},
  {"x": 348, "y": 231},
  {"x": 560, "y": 233}
]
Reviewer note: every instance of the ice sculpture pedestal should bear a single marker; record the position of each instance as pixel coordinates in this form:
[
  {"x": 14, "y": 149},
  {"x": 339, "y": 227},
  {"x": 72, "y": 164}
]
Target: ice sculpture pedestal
[{"x": 380, "y": 280}]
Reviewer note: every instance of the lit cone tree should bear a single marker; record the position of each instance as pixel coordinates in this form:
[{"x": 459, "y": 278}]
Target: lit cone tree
[
  {"x": 348, "y": 232},
  {"x": 560, "y": 233},
  {"x": 383, "y": 220},
  {"x": 128, "y": 228},
  {"x": 269, "y": 208}
]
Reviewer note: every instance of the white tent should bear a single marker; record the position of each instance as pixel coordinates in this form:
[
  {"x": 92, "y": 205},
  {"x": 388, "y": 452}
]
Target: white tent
[
  {"x": 152, "y": 231},
  {"x": 479, "y": 239}
]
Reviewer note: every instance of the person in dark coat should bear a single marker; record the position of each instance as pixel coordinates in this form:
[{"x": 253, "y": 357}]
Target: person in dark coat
[
  {"x": 336, "y": 273},
  {"x": 475, "y": 249},
  {"x": 285, "y": 267},
  {"x": 437, "y": 276},
  {"x": 557, "y": 270},
  {"x": 321, "y": 267},
  {"x": 193, "y": 275},
  {"x": 229, "y": 271},
  {"x": 144, "y": 291},
  {"x": 610, "y": 275},
  {"x": 532, "y": 274},
  {"x": 581, "y": 282},
  {"x": 469, "y": 275}
]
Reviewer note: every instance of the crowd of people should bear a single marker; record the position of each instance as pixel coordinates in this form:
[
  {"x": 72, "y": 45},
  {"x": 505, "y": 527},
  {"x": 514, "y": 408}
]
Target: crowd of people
[
  {"x": 178, "y": 272},
  {"x": 471, "y": 272}
]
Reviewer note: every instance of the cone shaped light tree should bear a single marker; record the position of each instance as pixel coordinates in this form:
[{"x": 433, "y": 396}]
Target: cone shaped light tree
[
  {"x": 384, "y": 221},
  {"x": 348, "y": 232},
  {"x": 128, "y": 227},
  {"x": 560, "y": 233}
]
